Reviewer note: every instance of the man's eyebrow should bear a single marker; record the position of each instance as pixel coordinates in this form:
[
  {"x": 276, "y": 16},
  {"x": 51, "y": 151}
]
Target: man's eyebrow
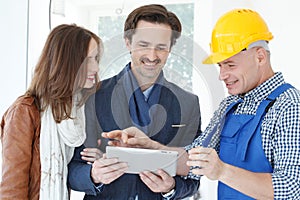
[
  {"x": 157, "y": 45},
  {"x": 162, "y": 45},
  {"x": 228, "y": 62},
  {"x": 144, "y": 42}
]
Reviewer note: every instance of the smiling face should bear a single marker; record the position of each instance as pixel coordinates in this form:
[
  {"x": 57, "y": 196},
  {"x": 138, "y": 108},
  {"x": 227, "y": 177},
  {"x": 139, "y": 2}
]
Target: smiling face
[
  {"x": 92, "y": 64},
  {"x": 149, "y": 47},
  {"x": 245, "y": 70}
]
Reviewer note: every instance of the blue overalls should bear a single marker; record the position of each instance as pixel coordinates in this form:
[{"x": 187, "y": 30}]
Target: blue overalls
[{"x": 241, "y": 143}]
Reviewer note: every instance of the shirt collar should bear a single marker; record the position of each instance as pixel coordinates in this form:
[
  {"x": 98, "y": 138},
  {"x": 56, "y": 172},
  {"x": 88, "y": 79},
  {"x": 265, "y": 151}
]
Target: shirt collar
[
  {"x": 147, "y": 92},
  {"x": 263, "y": 90}
]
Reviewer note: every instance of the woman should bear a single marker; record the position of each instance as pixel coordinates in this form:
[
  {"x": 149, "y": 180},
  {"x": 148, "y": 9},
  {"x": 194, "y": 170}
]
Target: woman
[{"x": 42, "y": 127}]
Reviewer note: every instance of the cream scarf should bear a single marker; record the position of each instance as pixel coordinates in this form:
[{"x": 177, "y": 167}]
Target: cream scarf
[{"x": 57, "y": 143}]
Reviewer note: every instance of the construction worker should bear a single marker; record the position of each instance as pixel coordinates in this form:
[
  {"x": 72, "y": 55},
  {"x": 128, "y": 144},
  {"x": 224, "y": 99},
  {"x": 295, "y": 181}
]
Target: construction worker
[{"x": 255, "y": 149}]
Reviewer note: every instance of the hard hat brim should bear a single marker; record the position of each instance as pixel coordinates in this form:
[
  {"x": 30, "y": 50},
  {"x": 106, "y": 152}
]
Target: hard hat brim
[{"x": 216, "y": 58}]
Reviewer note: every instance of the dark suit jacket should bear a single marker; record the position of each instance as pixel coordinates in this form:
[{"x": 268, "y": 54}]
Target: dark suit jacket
[{"x": 177, "y": 125}]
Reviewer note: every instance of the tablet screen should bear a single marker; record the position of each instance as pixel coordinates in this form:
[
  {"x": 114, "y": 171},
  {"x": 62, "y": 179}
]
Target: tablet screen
[{"x": 144, "y": 159}]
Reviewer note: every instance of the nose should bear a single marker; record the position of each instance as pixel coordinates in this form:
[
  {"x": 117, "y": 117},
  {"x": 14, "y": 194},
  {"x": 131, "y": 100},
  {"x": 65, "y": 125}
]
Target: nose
[
  {"x": 152, "y": 54},
  {"x": 94, "y": 67},
  {"x": 223, "y": 73}
]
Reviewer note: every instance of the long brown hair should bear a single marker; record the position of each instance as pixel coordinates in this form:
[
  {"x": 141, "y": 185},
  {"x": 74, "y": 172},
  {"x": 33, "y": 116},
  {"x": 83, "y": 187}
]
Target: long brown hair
[{"x": 61, "y": 70}]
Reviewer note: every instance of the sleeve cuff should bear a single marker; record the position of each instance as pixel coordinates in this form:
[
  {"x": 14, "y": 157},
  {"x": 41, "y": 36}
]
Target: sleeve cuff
[
  {"x": 169, "y": 195},
  {"x": 99, "y": 187}
]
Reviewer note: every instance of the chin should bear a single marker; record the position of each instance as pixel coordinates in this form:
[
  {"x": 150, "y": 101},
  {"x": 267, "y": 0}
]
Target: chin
[
  {"x": 232, "y": 92},
  {"x": 87, "y": 86}
]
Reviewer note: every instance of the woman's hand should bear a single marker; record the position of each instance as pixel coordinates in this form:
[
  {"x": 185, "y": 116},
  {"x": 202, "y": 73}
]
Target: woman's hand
[{"x": 91, "y": 154}]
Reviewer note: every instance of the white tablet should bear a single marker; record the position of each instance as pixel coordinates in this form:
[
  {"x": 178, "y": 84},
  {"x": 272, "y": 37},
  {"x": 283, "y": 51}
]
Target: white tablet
[{"x": 144, "y": 159}]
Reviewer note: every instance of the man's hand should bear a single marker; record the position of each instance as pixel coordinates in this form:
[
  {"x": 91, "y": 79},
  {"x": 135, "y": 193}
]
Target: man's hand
[
  {"x": 106, "y": 170},
  {"x": 254, "y": 184},
  {"x": 159, "y": 182},
  {"x": 207, "y": 161},
  {"x": 131, "y": 137}
]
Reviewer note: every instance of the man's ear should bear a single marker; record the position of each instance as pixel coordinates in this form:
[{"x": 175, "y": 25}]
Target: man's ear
[
  {"x": 262, "y": 55},
  {"x": 128, "y": 44}
]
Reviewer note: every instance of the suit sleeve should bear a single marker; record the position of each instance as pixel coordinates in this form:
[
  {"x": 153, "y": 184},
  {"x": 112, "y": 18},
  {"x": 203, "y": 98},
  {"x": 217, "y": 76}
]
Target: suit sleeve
[
  {"x": 185, "y": 187},
  {"x": 79, "y": 178},
  {"x": 196, "y": 117}
]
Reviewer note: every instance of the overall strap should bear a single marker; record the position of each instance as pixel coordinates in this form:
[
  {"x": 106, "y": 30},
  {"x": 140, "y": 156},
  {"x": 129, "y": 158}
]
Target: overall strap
[
  {"x": 261, "y": 112},
  {"x": 206, "y": 141},
  {"x": 272, "y": 97},
  {"x": 280, "y": 89}
]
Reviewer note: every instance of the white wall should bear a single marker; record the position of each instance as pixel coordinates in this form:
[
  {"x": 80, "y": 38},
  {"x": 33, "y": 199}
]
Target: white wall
[
  {"x": 38, "y": 30},
  {"x": 24, "y": 27},
  {"x": 13, "y": 40}
]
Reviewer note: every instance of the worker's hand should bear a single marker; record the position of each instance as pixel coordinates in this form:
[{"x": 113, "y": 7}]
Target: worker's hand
[
  {"x": 130, "y": 137},
  {"x": 106, "y": 170},
  {"x": 207, "y": 162},
  {"x": 159, "y": 181}
]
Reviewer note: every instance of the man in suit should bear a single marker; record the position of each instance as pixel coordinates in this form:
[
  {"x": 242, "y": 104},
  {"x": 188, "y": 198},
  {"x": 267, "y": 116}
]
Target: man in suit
[{"x": 139, "y": 96}]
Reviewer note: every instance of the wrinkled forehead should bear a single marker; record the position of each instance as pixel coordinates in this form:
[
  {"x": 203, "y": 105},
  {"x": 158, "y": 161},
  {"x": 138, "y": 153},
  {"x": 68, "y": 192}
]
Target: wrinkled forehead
[
  {"x": 236, "y": 58},
  {"x": 153, "y": 33}
]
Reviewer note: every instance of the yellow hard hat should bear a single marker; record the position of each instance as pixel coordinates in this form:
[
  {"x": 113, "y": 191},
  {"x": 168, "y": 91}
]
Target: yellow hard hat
[{"x": 234, "y": 31}]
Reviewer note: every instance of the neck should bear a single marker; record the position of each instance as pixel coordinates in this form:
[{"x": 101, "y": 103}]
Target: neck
[
  {"x": 267, "y": 74},
  {"x": 143, "y": 81},
  {"x": 145, "y": 86}
]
